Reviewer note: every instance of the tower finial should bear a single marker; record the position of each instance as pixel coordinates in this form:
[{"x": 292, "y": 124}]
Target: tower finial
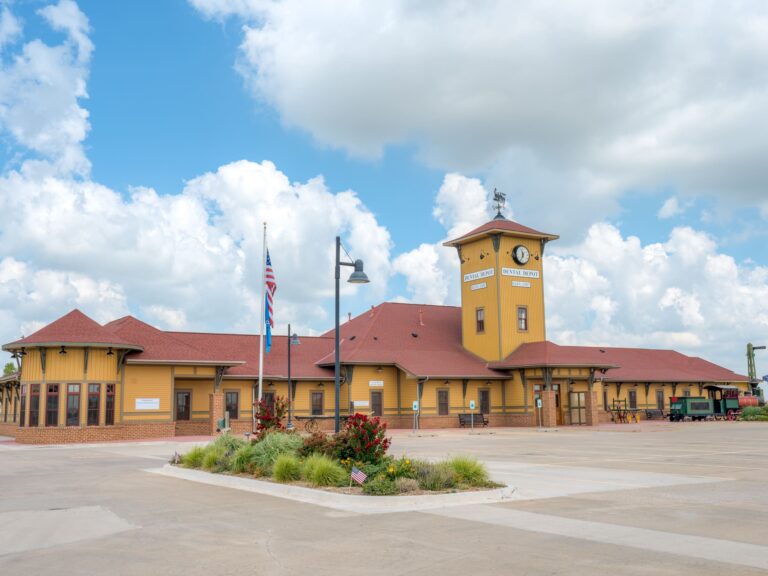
[{"x": 499, "y": 199}]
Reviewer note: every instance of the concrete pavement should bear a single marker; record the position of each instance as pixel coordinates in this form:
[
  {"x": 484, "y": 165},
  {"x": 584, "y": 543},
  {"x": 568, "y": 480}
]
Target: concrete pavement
[{"x": 682, "y": 499}]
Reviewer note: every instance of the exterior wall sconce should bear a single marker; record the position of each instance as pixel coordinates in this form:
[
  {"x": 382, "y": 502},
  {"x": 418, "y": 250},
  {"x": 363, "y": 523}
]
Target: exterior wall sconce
[
  {"x": 63, "y": 350},
  {"x": 110, "y": 352}
]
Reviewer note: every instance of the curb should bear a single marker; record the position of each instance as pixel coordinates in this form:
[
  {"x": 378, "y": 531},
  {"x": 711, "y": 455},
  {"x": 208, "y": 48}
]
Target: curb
[{"x": 343, "y": 502}]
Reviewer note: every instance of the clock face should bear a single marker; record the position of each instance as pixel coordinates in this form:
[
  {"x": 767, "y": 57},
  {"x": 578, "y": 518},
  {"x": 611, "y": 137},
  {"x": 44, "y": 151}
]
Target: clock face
[{"x": 521, "y": 254}]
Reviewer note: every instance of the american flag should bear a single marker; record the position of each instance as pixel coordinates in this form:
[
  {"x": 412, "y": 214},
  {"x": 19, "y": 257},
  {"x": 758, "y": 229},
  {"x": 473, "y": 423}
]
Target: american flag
[
  {"x": 271, "y": 289},
  {"x": 358, "y": 475}
]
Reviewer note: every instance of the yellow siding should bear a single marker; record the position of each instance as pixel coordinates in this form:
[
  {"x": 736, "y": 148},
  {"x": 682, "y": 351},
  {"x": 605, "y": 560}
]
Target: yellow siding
[
  {"x": 30, "y": 367},
  {"x": 148, "y": 382},
  {"x": 514, "y": 296},
  {"x": 101, "y": 368},
  {"x": 362, "y": 376},
  {"x": 486, "y": 344},
  {"x": 63, "y": 367}
]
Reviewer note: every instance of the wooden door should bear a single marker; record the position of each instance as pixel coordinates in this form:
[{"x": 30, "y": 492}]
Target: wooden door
[
  {"x": 377, "y": 402},
  {"x": 183, "y": 404},
  {"x": 485, "y": 401}
]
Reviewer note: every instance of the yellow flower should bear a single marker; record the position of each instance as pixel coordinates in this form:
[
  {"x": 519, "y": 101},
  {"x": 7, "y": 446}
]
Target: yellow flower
[{"x": 407, "y": 462}]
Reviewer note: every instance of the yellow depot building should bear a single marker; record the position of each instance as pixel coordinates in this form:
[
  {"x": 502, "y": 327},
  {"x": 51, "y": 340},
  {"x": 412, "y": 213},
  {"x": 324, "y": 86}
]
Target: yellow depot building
[{"x": 435, "y": 365}]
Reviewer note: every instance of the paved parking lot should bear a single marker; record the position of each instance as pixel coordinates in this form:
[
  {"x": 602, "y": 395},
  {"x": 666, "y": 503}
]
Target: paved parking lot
[{"x": 686, "y": 498}]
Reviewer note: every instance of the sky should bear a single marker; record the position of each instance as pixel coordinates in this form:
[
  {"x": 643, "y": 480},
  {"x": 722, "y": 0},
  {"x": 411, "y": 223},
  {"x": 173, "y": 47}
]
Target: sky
[{"x": 143, "y": 144}]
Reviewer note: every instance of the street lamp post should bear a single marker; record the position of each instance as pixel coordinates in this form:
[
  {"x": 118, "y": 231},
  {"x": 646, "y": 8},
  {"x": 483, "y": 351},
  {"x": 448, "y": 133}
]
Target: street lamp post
[
  {"x": 292, "y": 340},
  {"x": 357, "y": 277}
]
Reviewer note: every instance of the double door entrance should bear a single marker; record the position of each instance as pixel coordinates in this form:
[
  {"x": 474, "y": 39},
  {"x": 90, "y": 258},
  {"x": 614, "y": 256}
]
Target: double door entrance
[{"x": 577, "y": 407}]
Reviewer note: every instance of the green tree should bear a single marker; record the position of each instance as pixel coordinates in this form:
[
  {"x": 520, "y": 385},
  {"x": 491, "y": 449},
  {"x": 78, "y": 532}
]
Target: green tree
[{"x": 9, "y": 368}]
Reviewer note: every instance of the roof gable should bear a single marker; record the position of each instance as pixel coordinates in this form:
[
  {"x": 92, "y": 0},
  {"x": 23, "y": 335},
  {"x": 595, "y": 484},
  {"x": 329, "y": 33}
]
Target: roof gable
[{"x": 74, "y": 328}]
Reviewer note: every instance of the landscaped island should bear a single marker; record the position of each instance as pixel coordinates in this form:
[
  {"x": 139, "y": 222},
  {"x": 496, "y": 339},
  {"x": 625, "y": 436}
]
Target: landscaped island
[{"x": 326, "y": 461}]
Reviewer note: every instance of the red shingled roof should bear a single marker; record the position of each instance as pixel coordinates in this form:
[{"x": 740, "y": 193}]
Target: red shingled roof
[
  {"x": 74, "y": 328},
  {"x": 501, "y": 225},
  {"x": 245, "y": 347},
  {"x": 623, "y": 364},
  {"x": 160, "y": 346},
  {"x": 423, "y": 340}
]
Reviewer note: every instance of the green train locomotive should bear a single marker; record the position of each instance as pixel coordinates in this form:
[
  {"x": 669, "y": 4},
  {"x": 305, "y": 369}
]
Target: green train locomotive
[{"x": 722, "y": 403}]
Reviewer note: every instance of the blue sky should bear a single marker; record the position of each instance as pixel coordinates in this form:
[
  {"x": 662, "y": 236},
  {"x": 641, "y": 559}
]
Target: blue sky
[{"x": 590, "y": 129}]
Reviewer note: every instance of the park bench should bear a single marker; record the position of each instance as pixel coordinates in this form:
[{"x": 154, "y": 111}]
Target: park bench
[
  {"x": 654, "y": 415},
  {"x": 467, "y": 420}
]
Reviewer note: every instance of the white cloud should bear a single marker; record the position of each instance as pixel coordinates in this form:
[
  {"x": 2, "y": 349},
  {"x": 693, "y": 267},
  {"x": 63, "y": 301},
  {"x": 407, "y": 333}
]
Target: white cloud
[
  {"x": 186, "y": 260},
  {"x": 431, "y": 270},
  {"x": 31, "y": 297},
  {"x": 670, "y": 208},
  {"x": 591, "y": 97},
  {"x": 10, "y": 29},
  {"x": 201, "y": 247},
  {"x": 40, "y": 89},
  {"x": 681, "y": 294}
]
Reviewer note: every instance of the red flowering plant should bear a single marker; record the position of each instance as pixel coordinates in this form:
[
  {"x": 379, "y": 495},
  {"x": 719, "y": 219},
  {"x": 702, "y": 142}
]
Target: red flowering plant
[
  {"x": 269, "y": 417},
  {"x": 364, "y": 439}
]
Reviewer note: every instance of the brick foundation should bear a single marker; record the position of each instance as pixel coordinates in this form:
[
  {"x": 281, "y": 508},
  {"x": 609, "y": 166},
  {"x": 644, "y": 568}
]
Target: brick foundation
[
  {"x": 241, "y": 426},
  {"x": 192, "y": 428},
  {"x": 8, "y": 429},
  {"x": 76, "y": 435}
]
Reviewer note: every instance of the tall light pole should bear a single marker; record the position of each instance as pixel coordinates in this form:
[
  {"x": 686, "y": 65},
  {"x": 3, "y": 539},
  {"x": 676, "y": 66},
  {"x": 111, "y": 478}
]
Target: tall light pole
[
  {"x": 293, "y": 339},
  {"x": 357, "y": 277}
]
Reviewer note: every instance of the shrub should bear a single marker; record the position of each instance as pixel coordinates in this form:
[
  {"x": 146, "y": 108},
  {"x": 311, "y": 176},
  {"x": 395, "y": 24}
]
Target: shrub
[
  {"x": 286, "y": 468},
  {"x": 215, "y": 459},
  {"x": 437, "y": 477},
  {"x": 269, "y": 418},
  {"x": 229, "y": 443},
  {"x": 316, "y": 443},
  {"x": 380, "y": 486},
  {"x": 320, "y": 470},
  {"x": 363, "y": 440},
  {"x": 193, "y": 458},
  {"x": 754, "y": 413},
  {"x": 242, "y": 460},
  {"x": 266, "y": 450},
  {"x": 405, "y": 485},
  {"x": 469, "y": 471}
]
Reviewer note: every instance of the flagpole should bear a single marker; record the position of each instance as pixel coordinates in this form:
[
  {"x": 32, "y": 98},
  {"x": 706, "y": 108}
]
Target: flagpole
[{"x": 262, "y": 320}]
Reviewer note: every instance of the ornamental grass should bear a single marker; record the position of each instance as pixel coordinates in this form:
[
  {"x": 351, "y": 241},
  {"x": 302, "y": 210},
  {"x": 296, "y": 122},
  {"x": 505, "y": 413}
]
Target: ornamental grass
[
  {"x": 287, "y": 468},
  {"x": 193, "y": 458},
  {"x": 469, "y": 471},
  {"x": 320, "y": 470}
]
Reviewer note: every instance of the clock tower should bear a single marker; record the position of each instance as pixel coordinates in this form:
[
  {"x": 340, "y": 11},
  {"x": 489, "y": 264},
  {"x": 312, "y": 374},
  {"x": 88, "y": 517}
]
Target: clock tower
[{"x": 502, "y": 286}]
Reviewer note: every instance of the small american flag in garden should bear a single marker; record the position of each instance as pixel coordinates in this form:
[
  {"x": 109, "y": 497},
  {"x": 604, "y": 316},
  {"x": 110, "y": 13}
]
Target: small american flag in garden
[{"x": 358, "y": 475}]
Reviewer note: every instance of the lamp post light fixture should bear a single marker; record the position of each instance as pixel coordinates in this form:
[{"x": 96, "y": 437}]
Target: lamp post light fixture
[
  {"x": 293, "y": 339},
  {"x": 358, "y": 276}
]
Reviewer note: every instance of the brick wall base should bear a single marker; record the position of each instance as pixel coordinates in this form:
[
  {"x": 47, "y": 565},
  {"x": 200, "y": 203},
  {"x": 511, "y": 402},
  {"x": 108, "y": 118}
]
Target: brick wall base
[
  {"x": 8, "y": 429},
  {"x": 73, "y": 435},
  {"x": 192, "y": 428}
]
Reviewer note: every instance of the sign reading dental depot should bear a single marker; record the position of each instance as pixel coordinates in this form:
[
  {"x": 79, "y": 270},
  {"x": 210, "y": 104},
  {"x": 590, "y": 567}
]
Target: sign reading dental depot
[{"x": 472, "y": 276}]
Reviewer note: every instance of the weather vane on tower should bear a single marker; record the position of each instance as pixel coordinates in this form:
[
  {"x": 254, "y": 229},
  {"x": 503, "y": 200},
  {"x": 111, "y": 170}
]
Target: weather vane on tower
[{"x": 499, "y": 199}]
